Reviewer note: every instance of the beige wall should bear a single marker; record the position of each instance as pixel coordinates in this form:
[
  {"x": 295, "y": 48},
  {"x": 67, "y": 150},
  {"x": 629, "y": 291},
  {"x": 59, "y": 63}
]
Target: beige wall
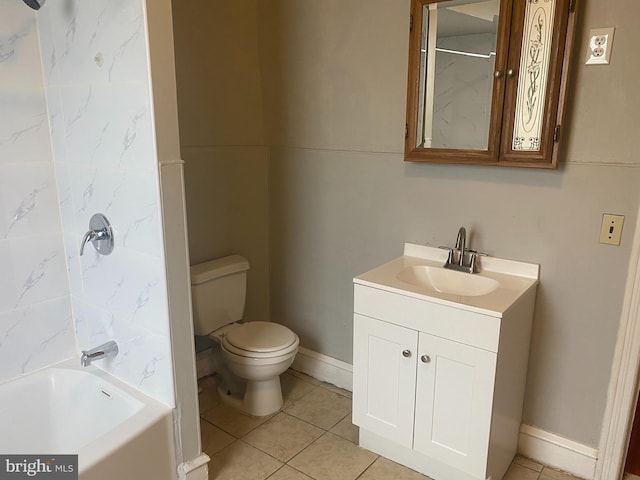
[
  {"x": 331, "y": 197},
  {"x": 222, "y": 138},
  {"x": 343, "y": 200}
]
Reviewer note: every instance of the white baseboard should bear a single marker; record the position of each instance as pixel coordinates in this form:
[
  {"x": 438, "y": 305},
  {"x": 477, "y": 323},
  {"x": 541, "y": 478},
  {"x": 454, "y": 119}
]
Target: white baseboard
[
  {"x": 557, "y": 452},
  {"x": 322, "y": 367},
  {"x": 195, "y": 469}
]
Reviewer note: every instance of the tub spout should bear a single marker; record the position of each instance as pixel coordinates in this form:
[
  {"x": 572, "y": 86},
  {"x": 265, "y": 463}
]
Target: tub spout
[{"x": 109, "y": 349}]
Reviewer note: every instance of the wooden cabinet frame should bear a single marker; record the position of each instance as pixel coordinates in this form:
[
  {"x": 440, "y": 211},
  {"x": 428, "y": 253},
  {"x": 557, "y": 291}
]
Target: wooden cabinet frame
[{"x": 503, "y": 103}]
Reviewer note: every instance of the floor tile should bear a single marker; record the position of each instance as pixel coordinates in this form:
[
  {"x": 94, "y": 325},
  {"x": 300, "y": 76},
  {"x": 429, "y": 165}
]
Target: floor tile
[
  {"x": 321, "y": 408},
  {"x": 518, "y": 472},
  {"x": 208, "y": 394},
  {"x": 240, "y": 461},
  {"x": 232, "y": 420},
  {"x": 551, "y": 474},
  {"x": 331, "y": 457},
  {"x": 303, "y": 376},
  {"x": 347, "y": 430},
  {"x": 213, "y": 439},
  {"x": 294, "y": 389},
  {"x": 283, "y": 436},
  {"x": 288, "y": 473},
  {"x": 384, "y": 469},
  {"x": 527, "y": 462},
  {"x": 338, "y": 390},
  {"x": 243, "y": 447}
]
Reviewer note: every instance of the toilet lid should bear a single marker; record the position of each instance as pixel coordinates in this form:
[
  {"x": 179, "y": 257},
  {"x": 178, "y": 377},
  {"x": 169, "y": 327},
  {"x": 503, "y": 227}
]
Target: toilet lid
[{"x": 260, "y": 337}]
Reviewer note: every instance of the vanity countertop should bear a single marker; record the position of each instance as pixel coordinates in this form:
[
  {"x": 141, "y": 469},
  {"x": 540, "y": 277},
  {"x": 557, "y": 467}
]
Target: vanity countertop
[{"x": 513, "y": 279}]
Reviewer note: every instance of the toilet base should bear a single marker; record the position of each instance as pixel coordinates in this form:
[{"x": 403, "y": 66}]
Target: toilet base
[{"x": 261, "y": 398}]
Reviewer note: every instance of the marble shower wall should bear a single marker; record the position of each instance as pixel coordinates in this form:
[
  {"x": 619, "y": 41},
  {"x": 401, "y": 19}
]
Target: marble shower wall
[
  {"x": 36, "y": 326},
  {"x": 93, "y": 57},
  {"x": 95, "y": 62}
]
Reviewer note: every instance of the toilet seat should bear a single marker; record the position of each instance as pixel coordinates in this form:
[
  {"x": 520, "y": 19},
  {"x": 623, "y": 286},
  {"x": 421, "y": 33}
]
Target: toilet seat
[{"x": 260, "y": 340}]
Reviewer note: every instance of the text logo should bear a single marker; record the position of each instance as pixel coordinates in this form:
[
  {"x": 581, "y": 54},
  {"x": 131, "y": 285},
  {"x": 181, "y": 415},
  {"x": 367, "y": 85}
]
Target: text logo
[{"x": 49, "y": 467}]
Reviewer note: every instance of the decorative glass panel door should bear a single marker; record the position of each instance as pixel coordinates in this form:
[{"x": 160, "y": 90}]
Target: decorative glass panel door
[
  {"x": 534, "y": 69},
  {"x": 536, "y": 82}
]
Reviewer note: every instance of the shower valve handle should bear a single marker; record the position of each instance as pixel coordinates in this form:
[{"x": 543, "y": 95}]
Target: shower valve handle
[{"x": 100, "y": 234}]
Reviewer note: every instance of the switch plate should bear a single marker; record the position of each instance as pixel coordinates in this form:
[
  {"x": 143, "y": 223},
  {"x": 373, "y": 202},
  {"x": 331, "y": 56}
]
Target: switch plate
[
  {"x": 611, "y": 229},
  {"x": 600, "y": 43}
]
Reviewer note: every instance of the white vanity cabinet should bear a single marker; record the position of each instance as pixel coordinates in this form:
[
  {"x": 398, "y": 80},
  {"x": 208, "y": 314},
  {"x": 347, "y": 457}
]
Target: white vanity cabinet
[
  {"x": 423, "y": 392},
  {"x": 438, "y": 386}
]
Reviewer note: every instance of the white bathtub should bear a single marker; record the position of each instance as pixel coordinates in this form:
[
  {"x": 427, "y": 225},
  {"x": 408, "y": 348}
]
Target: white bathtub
[{"x": 116, "y": 431}]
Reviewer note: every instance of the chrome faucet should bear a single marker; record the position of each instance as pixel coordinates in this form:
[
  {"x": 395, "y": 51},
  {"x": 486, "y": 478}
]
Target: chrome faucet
[
  {"x": 461, "y": 240},
  {"x": 106, "y": 350},
  {"x": 458, "y": 263}
]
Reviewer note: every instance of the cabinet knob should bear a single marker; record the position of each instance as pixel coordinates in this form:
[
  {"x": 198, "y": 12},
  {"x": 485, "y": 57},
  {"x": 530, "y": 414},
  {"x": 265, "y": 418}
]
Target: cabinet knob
[
  {"x": 497, "y": 74},
  {"x": 425, "y": 358},
  {"x": 406, "y": 353},
  {"x": 510, "y": 72}
]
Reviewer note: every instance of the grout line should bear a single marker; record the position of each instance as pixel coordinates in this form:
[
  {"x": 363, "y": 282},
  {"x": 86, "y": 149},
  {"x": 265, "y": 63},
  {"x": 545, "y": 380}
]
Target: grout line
[
  {"x": 266, "y": 453},
  {"x": 304, "y": 421},
  {"x": 315, "y": 387},
  {"x": 368, "y": 467},
  {"x": 305, "y": 448}
]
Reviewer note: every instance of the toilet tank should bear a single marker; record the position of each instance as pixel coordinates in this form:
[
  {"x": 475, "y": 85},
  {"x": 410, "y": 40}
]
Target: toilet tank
[{"x": 218, "y": 292}]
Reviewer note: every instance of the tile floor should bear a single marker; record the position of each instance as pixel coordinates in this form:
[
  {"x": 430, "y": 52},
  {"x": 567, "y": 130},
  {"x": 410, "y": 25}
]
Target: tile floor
[{"x": 311, "y": 438}]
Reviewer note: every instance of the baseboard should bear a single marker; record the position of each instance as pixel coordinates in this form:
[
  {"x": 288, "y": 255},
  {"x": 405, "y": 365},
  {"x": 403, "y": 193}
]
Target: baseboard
[
  {"x": 195, "y": 469},
  {"x": 557, "y": 452},
  {"x": 322, "y": 367}
]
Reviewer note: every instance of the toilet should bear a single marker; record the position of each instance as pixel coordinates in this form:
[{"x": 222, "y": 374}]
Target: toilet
[{"x": 255, "y": 352}]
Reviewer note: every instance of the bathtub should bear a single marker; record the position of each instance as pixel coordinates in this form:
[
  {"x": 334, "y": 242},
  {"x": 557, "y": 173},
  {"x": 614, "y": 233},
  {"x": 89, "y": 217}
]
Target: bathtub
[{"x": 116, "y": 431}]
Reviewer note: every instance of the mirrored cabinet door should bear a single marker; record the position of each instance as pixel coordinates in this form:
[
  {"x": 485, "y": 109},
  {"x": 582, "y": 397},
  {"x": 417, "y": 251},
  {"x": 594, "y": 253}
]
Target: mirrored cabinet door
[{"x": 487, "y": 80}]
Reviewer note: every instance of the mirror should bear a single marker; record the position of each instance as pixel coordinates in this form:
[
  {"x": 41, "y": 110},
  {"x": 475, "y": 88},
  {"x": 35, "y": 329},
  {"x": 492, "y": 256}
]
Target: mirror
[
  {"x": 457, "y": 64},
  {"x": 488, "y": 80}
]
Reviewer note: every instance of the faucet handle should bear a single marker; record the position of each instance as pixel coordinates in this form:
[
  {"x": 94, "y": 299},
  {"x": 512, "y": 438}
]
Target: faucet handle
[
  {"x": 100, "y": 234},
  {"x": 475, "y": 252},
  {"x": 450, "y": 255},
  {"x": 473, "y": 264}
]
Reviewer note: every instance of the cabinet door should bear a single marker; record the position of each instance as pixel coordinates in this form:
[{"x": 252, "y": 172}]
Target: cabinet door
[
  {"x": 384, "y": 375},
  {"x": 536, "y": 82},
  {"x": 453, "y": 403}
]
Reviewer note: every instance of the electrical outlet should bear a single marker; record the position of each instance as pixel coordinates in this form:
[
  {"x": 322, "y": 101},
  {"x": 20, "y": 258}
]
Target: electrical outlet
[
  {"x": 611, "y": 229},
  {"x": 600, "y": 43}
]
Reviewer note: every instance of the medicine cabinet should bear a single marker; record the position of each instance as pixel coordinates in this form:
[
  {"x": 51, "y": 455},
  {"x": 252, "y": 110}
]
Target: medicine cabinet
[{"x": 487, "y": 81}]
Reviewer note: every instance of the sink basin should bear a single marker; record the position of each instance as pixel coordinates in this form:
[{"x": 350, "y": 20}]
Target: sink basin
[
  {"x": 448, "y": 281},
  {"x": 420, "y": 274}
]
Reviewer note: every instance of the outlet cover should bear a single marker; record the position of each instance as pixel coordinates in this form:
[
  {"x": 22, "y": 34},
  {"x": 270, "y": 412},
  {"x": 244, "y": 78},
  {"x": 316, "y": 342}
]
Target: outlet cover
[
  {"x": 611, "y": 229},
  {"x": 600, "y": 44}
]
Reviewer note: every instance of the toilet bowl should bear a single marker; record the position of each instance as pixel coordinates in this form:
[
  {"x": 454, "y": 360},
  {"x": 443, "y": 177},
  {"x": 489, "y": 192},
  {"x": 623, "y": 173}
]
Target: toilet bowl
[
  {"x": 260, "y": 352},
  {"x": 256, "y": 352}
]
